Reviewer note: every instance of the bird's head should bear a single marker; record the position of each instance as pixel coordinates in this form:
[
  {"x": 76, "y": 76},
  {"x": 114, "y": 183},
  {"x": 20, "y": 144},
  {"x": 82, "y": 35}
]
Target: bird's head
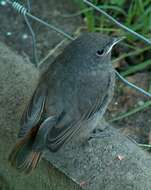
[{"x": 93, "y": 48}]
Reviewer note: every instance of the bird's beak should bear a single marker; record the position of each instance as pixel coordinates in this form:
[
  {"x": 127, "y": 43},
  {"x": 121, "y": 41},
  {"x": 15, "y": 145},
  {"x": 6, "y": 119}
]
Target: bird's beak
[
  {"x": 114, "y": 42},
  {"x": 117, "y": 40}
]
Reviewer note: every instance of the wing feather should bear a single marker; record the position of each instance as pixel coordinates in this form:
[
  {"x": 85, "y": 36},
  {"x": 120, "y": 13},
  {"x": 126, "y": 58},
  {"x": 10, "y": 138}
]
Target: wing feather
[{"x": 34, "y": 110}]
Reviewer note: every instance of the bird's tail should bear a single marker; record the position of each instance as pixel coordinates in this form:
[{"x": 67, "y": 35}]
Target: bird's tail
[{"x": 23, "y": 157}]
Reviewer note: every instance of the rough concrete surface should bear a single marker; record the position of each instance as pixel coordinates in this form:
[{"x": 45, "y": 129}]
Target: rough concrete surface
[{"x": 110, "y": 162}]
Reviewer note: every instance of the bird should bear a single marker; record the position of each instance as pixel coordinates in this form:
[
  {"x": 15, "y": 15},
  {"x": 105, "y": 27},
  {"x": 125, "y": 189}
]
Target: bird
[{"x": 70, "y": 98}]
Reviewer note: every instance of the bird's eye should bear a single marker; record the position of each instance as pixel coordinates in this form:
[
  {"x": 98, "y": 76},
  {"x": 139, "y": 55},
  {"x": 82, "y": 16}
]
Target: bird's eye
[{"x": 100, "y": 52}]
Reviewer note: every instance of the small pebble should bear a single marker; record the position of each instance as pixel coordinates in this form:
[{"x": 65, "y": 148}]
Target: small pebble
[
  {"x": 120, "y": 157},
  {"x": 116, "y": 103},
  {"x": 140, "y": 103},
  {"x": 24, "y": 36},
  {"x": 8, "y": 34},
  {"x": 3, "y": 3}
]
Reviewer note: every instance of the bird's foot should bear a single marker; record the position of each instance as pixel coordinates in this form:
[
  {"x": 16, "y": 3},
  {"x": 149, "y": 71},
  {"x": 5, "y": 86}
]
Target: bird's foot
[{"x": 99, "y": 133}]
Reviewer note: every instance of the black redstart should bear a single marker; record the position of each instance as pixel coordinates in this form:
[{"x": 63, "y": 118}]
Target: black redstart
[{"x": 71, "y": 97}]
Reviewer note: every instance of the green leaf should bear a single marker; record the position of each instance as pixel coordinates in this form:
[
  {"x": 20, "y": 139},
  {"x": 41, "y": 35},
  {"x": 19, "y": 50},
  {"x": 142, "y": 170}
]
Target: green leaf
[{"x": 117, "y": 2}]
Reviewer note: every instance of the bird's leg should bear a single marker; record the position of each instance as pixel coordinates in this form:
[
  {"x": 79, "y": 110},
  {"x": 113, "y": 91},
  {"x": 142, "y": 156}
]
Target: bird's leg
[
  {"x": 98, "y": 134},
  {"x": 100, "y": 131}
]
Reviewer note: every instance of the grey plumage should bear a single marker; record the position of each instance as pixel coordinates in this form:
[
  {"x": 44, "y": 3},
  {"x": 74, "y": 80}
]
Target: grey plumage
[{"x": 70, "y": 97}]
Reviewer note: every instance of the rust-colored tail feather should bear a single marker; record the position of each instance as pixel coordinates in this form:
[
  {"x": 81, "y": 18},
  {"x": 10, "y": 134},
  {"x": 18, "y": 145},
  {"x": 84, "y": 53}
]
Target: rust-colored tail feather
[{"x": 23, "y": 157}]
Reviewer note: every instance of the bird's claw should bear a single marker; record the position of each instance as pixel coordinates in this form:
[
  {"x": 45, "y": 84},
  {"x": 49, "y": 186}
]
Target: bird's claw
[{"x": 99, "y": 133}]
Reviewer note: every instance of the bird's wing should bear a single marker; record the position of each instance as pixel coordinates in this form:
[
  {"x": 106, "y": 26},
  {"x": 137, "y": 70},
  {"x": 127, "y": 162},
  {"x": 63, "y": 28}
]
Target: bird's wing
[
  {"x": 34, "y": 110},
  {"x": 60, "y": 134},
  {"x": 57, "y": 136}
]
